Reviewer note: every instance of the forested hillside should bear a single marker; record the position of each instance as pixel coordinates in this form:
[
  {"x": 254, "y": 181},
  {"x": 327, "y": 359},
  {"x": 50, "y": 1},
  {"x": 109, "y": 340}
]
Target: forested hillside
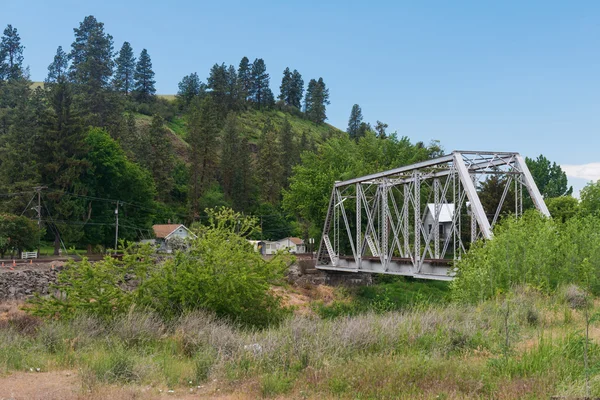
[{"x": 95, "y": 133}]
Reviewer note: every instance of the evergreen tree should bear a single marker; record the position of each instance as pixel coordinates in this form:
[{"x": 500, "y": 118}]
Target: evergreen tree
[
  {"x": 354, "y": 122},
  {"x": 57, "y": 71},
  {"x": 189, "y": 88},
  {"x": 292, "y": 88},
  {"x": 11, "y": 55},
  {"x": 218, "y": 83},
  {"x": 244, "y": 76},
  {"x": 232, "y": 89},
  {"x": 91, "y": 55},
  {"x": 62, "y": 164},
  {"x": 317, "y": 98},
  {"x": 286, "y": 84},
  {"x": 269, "y": 168},
  {"x": 125, "y": 70},
  {"x": 90, "y": 70},
  {"x": 380, "y": 128},
  {"x": 296, "y": 90},
  {"x": 158, "y": 156},
  {"x": 236, "y": 165},
  {"x": 144, "y": 78},
  {"x": 203, "y": 138},
  {"x": 259, "y": 89}
]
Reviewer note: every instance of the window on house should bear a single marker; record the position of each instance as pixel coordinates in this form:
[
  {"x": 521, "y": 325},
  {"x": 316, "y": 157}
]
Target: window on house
[
  {"x": 429, "y": 228},
  {"x": 441, "y": 230}
]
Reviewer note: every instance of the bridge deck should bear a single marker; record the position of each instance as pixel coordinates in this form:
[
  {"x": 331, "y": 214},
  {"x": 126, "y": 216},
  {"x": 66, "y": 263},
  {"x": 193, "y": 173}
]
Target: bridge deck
[{"x": 438, "y": 269}]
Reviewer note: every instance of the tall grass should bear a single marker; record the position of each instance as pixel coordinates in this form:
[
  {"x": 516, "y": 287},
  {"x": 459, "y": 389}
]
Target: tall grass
[{"x": 445, "y": 350}]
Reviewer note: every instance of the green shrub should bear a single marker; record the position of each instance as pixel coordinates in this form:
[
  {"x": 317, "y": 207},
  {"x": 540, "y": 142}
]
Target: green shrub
[
  {"x": 221, "y": 273},
  {"x": 532, "y": 251}
]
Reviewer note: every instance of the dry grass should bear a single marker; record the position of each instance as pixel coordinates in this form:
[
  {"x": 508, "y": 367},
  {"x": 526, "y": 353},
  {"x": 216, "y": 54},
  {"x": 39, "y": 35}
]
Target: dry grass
[{"x": 444, "y": 351}]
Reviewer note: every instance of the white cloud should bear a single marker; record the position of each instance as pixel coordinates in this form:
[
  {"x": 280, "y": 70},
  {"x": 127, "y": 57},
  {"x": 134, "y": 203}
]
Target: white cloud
[{"x": 589, "y": 172}]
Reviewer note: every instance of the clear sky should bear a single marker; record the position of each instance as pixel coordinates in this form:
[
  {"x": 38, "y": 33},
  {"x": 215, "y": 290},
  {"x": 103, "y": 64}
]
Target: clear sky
[{"x": 478, "y": 75}]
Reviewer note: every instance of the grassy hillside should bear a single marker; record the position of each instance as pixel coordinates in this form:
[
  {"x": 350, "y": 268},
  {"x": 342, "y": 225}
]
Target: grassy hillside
[{"x": 252, "y": 123}]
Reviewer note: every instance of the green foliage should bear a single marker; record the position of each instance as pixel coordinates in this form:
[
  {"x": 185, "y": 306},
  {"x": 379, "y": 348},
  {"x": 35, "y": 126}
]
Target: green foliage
[
  {"x": 221, "y": 273},
  {"x": 550, "y": 179},
  {"x": 125, "y": 70},
  {"x": 144, "y": 78},
  {"x": 112, "y": 176},
  {"x": 590, "y": 199},
  {"x": 533, "y": 251},
  {"x": 203, "y": 137},
  {"x": 17, "y": 233},
  {"x": 342, "y": 158},
  {"x": 316, "y": 101},
  {"x": 259, "y": 88},
  {"x": 562, "y": 208},
  {"x": 11, "y": 55},
  {"x": 354, "y": 122}
]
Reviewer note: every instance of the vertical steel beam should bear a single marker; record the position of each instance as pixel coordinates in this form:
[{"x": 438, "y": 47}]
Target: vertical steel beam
[
  {"x": 326, "y": 226},
  {"x": 436, "y": 224},
  {"x": 384, "y": 224},
  {"x": 358, "y": 225},
  {"x": 417, "y": 210},
  {"x": 405, "y": 230}
]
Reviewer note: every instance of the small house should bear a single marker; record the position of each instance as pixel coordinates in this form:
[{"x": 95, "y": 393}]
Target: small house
[
  {"x": 167, "y": 233},
  {"x": 446, "y": 211},
  {"x": 292, "y": 244}
]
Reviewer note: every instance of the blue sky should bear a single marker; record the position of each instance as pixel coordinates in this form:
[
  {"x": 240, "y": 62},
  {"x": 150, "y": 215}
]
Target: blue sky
[{"x": 507, "y": 76}]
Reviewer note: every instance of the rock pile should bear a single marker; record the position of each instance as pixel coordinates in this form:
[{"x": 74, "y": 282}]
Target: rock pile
[{"x": 23, "y": 284}]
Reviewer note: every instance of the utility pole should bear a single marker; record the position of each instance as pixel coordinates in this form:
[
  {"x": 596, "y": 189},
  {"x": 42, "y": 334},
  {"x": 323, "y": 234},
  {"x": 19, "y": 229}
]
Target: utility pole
[
  {"x": 39, "y": 189},
  {"x": 116, "y": 227}
]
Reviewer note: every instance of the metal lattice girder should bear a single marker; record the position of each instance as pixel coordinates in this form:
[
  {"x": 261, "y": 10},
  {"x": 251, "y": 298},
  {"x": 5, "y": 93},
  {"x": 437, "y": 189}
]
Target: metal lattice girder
[{"x": 399, "y": 214}]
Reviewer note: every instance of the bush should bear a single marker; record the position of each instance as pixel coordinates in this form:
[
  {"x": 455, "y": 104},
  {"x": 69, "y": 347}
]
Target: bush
[
  {"x": 221, "y": 273},
  {"x": 531, "y": 251}
]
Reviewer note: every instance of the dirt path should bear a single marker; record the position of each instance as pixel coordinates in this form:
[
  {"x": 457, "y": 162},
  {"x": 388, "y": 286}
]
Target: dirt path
[
  {"x": 42, "y": 386},
  {"x": 66, "y": 385}
]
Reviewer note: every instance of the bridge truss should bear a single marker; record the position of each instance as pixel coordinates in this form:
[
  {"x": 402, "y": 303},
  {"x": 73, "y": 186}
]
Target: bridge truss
[{"x": 415, "y": 220}]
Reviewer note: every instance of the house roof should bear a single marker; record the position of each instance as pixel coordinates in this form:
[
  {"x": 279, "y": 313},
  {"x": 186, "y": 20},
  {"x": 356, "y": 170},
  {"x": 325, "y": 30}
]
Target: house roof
[
  {"x": 446, "y": 211},
  {"x": 163, "y": 231},
  {"x": 295, "y": 240}
]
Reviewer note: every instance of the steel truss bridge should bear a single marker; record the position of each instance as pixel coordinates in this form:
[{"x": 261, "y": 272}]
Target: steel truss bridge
[{"x": 416, "y": 220}]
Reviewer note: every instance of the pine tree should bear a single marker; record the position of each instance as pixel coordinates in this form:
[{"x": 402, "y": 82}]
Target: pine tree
[
  {"x": 270, "y": 169},
  {"x": 91, "y": 55},
  {"x": 380, "y": 128},
  {"x": 189, "y": 88},
  {"x": 232, "y": 89},
  {"x": 354, "y": 122},
  {"x": 11, "y": 55},
  {"x": 244, "y": 79},
  {"x": 57, "y": 71},
  {"x": 292, "y": 88},
  {"x": 62, "y": 151},
  {"x": 90, "y": 70},
  {"x": 158, "y": 157},
  {"x": 236, "y": 165},
  {"x": 259, "y": 89},
  {"x": 125, "y": 70},
  {"x": 296, "y": 90},
  {"x": 316, "y": 100},
  {"x": 286, "y": 84},
  {"x": 144, "y": 78},
  {"x": 218, "y": 83},
  {"x": 203, "y": 138}
]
